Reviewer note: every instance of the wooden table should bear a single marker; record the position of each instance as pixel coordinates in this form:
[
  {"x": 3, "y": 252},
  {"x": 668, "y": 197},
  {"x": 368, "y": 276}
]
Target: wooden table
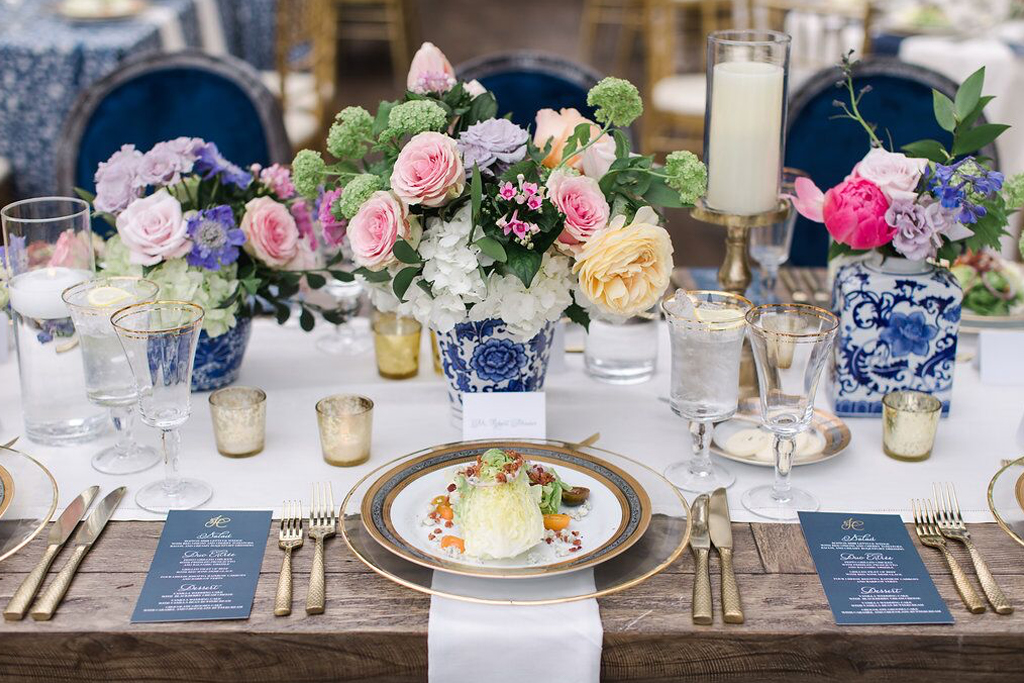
[{"x": 376, "y": 630}]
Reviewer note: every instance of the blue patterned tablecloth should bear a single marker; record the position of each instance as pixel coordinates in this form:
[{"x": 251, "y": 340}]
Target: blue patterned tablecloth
[{"x": 46, "y": 62}]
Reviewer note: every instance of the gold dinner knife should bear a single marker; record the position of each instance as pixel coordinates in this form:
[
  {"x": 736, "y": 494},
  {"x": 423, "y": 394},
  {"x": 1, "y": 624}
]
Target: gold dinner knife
[
  {"x": 700, "y": 544},
  {"x": 720, "y": 527},
  {"x": 59, "y": 532},
  {"x": 46, "y": 605}
]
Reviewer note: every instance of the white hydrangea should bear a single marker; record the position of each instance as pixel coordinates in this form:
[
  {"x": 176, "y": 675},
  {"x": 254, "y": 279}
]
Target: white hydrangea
[{"x": 525, "y": 311}]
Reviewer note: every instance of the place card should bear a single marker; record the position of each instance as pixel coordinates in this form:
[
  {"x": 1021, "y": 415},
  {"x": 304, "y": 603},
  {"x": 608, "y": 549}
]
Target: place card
[
  {"x": 999, "y": 357},
  {"x": 206, "y": 566},
  {"x": 871, "y": 571},
  {"x": 504, "y": 415}
]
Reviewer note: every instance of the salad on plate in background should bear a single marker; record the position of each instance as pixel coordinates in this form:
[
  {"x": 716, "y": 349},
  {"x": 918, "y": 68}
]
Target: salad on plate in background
[{"x": 993, "y": 286}]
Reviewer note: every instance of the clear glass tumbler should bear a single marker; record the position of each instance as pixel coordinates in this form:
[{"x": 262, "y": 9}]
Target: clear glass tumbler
[{"x": 622, "y": 352}]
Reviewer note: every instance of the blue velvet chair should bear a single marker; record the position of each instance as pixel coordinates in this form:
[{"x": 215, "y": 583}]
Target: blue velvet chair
[
  {"x": 526, "y": 82},
  {"x": 900, "y": 104},
  {"x": 163, "y": 96}
]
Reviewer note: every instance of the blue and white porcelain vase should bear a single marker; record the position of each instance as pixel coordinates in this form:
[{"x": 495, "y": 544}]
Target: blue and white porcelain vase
[
  {"x": 485, "y": 357},
  {"x": 898, "y": 326},
  {"x": 218, "y": 359}
]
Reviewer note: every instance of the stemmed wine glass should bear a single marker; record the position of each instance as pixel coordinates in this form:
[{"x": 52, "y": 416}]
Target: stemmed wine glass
[
  {"x": 791, "y": 344},
  {"x": 770, "y": 244},
  {"x": 348, "y": 338},
  {"x": 707, "y": 330},
  {"x": 108, "y": 379},
  {"x": 159, "y": 339}
]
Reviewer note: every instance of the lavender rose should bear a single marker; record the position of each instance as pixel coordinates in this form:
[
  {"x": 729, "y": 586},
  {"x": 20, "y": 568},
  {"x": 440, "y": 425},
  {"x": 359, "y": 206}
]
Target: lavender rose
[
  {"x": 166, "y": 162},
  {"x": 116, "y": 180},
  {"x": 495, "y": 141},
  {"x": 914, "y": 236}
]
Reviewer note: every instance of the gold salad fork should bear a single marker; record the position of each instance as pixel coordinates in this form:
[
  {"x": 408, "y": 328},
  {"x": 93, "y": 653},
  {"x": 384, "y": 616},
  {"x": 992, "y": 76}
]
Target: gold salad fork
[
  {"x": 289, "y": 538},
  {"x": 928, "y": 533},
  {"x": 322, "y": 525},
  {"x": 951, "y": 524}
]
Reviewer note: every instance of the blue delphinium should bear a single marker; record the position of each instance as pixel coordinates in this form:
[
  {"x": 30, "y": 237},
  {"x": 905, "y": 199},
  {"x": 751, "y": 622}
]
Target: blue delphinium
[
  {"x": 210, "y": 162},
  {"x": 963, "y": 186},
  {"x": 215, "y": 238}
]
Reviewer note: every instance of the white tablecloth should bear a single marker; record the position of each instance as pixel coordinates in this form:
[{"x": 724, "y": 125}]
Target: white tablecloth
[{"x": 414, "y": 414}]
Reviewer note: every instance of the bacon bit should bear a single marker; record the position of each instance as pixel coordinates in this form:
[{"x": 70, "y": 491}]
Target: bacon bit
[
  {"x": 548, "y": 541},
  {"x": 430, "y": 537},
  {"x": 451, "y": 488},
  {"x": 577, "y": 542},
  {"x": 437, "y": 531},
  {"x": 448, "y": 525},
  {"x": 573, "y": 549},
  {"x": 500, "y": 477},
  {"x": 575, "y": 533},
  {"x": 540, "y": 476}
]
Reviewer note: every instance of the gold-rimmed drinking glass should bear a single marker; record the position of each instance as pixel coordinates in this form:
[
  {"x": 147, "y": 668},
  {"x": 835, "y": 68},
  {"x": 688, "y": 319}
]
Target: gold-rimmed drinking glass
[
  {"x": 239, "y": 416},
  {"x": 159, "y": 338},
  {"x": 791, "y": 344},
  {"x": 706, "y": 330},
  {"x": 108, "y": 379}
]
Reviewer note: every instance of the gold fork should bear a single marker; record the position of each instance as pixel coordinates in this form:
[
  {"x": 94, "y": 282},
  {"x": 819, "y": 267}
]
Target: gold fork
[
  {"x": 929, "y": 535},
  {"x": 289, "y": 538},
  {"x": 951, "y": 524},
  {"x": 322, "y": 525}
]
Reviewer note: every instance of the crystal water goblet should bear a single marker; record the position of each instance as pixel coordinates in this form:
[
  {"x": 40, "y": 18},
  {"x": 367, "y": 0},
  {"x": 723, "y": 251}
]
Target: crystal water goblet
[
  {"x": 159, "y": 338},
  {"x": 108, "y": 379},
  {"x": 348, "y": 338},
  {"x": 791, "y": 344},
  {"x": 770, "y": 244},
  {"x": 706, "y": 330}
]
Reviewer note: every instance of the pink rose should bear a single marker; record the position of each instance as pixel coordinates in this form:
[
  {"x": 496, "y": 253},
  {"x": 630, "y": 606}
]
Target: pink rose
[
  {"x": 597, "y": 159},
  {"x": 581, "y": 201},
  {"x": 854, "y": 213},
  {"x": 895, "y": 174},
  {"x": 373, "y": 231},
  {"x": 430, "y": 71},
  {"x": 305, "y": 258},
  {"x": 154, "y": 229},
  {"x": 429, "y": 171},
  {"x": 271, "y": 234}
]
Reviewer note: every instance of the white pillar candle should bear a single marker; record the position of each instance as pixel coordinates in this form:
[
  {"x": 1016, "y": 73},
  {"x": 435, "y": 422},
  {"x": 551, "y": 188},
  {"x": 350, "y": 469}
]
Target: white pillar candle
[
  {"x": 745, "y": 137},
  {"x": 36, "y": 293}
]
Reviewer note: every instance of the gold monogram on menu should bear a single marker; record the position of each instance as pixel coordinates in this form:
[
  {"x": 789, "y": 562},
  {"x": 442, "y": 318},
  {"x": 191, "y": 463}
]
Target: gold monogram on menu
[
  {"x": 853, "y": 524},
  {"x": 218, "y": 522}
]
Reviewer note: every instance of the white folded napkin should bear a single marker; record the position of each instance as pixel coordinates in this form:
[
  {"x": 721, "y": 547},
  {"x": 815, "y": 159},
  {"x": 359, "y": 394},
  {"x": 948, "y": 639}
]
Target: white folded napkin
[{"x": 511, "y": 643}]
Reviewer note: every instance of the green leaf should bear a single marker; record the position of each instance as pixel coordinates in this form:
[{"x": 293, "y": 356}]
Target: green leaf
[
  {"x": 281, "y": 312},
  {"x": 622, "y": 148},
  {"x": 401, "y": 283},
  {"x": 251, "y": 285},
  {"x": 405, "y": 253},
  {"x": 966, "y": 121},
  {"x": 927, "y": 149},
  {"x": 578, "y": 315},
  {"x": 315, "y": 280},
  {"x": 660, "y": 194},
  {"x": 477, "y": 193},
  {"x": 492, "y": 248},
  {"x": 523, "y": 263},
  {"x": 944, "y": 111},
  {"x": 968, "y": 94},
  {"x": 837, "y": 249},
  {"x": 306, "y": 320},
  {"x": 373, "y": 275},
  {"x": 425, "y": 286},
  {"x": 342, "y": 276},
  {"x": 380, "y": 123},
  {"x": 85, "y": 194},
  {"x": 482, "y": 107},
  {"x": 977, "y": 137}
]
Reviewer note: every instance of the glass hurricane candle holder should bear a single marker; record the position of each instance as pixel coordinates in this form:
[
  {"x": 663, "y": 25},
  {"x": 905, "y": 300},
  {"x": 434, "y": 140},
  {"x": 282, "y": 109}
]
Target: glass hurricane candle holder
[
  {"x": 909, "y": 422},
  {"x": 396, "y": 339},
  {"x": 346, "y": 428},
  {"x": 239, "y": 417}
]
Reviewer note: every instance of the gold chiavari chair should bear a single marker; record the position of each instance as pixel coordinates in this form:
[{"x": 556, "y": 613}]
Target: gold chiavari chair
[
  {"x": 626, "y": 15},
  {"x": 393, "y": 21}
]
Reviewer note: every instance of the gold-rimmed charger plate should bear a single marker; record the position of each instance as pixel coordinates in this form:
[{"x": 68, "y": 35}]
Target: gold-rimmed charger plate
[
  {"x": 1006, "y": 499},
  {"x": 831, "y": 434},
  {"x": 397, "y": 501},
  {"x": 666, "y": 537},
  {"x": 31, "y": 508}
]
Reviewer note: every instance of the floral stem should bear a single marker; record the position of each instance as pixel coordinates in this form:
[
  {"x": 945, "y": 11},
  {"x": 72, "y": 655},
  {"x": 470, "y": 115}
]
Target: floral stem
[
  {"x": 875, "y": 142},
  {"x": 577, "y": 152}
]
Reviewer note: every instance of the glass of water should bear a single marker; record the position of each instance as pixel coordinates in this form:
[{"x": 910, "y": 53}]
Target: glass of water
[
  {"x": 159, "y": 339},
  {"x": 108, "y": 379},
  {"x": 622, "y": 352},
  {"x": 351, "y": 334},
  {"x": 770, "y": 244},
  {"x": 707, "y": 330}
]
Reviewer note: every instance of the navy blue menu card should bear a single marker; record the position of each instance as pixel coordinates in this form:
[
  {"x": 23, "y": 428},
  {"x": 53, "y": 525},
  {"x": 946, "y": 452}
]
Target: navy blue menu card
[
  {"x": 871, "y": 571},
  {"x": 206, "y": 566}
]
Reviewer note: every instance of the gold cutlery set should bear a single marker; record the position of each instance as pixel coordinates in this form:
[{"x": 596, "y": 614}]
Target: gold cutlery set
[
  {"x": 712, "y": 525},
  {"x": 939, "y": 520},
  {"x": 60, "y": 531},
  {"x": 323, "y": 523}
]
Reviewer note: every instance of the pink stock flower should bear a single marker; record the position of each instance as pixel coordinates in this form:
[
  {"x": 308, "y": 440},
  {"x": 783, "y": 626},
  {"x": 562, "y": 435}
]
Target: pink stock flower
[
  {"x": 507, "y": 191},
  {"x": 895, "y": 174},
  {"x": 430, "y": 71},
  {"x": 304, "y": 222},
  {"x": 154, "y": 229},
  {"x": 534, "y": 203},
  {"x": 584, "y": 206},
  {"x": 271, "y": 232},
  {"x": 332, "y": 229},
  {"x": 373, "y": 231},
  {"x": 854, "y": 214},
  {"x": 279, "y": 179},
  {"x": 429, "y": 170}
]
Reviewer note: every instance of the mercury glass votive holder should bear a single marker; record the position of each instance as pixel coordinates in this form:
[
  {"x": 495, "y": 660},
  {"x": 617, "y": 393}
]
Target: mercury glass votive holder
[
  {"x": 396, "y": 340},
  {"x": 346, "y": 426},
  {"x": 909, "y": 422},
  {"x": 239, "y": 420}
]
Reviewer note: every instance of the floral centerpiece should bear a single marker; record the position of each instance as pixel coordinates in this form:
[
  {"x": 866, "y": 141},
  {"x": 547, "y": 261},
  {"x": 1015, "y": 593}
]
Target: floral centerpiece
[
  {"x": 234, "y": 241},
  {"x": 912, "y": 212},
  {"x": 488, "y": 233}
]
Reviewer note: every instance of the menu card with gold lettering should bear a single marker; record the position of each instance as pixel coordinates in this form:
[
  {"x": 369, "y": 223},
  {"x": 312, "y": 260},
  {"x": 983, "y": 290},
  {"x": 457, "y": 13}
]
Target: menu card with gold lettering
[
  {"x": 871, "y": 571},
  {"x": 206, "y": 566}
]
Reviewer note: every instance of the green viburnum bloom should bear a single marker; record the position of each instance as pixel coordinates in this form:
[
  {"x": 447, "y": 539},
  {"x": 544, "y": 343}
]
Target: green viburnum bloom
[
  {"x": 411, "y": 118},
  {"x": 350, "y": 133},
  {"x": 687, "y": 175},
  {"x": 617, "y": 101},
  {"x": 1013, "y": 191},
  {"x": 356, "y": 193},
  {"x": 308, "y": 172}
]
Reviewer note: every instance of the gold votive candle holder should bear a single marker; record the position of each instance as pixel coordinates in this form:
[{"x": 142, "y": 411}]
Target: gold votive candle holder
[
  {"x": 239, "y": 420},
  {"x": 396, "y": 339},
  {"x": 346, "y": 427},
  {"x": 909, "y": 422},
  {"x": 435, "y": 354}
]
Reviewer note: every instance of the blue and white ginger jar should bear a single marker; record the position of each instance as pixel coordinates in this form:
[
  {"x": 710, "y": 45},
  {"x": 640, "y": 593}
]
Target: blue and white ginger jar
[{"x": 218, "y": 359}]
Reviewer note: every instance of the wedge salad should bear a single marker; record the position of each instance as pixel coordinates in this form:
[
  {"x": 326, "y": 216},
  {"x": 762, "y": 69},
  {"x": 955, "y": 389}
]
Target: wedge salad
[{"x": 502, "y": 505}]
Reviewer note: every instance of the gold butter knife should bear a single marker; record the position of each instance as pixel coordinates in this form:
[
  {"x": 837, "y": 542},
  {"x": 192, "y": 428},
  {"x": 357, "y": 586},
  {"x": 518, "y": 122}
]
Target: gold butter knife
[
  {"x": 47, "y": 604},
  {"x": 720, "y": 527},
  {"x": 60, "y": 531},
  {"x": 700, "y": 544}
]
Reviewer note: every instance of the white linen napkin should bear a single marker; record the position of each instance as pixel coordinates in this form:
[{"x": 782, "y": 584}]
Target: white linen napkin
[
  {"x": 511, "y": 643},
  {"x": 168, "y": 23}
]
